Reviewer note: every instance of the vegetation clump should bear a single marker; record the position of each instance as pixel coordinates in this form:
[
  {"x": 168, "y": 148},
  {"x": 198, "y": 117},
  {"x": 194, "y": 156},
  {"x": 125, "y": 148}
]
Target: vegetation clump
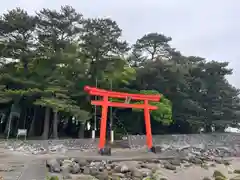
[{"x": 218, "y": 175}]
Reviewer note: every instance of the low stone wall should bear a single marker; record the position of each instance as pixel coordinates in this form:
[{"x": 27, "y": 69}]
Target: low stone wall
[
  {"x": 48, "y": 146},
  {"x": 228, "y": 140},
  {"x": 203, "y": 141}
]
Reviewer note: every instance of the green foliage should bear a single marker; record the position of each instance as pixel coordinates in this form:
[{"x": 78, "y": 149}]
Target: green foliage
[
  {"x": 164, "y": 112},
  {"x": 121, "y": 77},
  {"x": 47, "y": 58},
  {"x": 53, "y": 178}
]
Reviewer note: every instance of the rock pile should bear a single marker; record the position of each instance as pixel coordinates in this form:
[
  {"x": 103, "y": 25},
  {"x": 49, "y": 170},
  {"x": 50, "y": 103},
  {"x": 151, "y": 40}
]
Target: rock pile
[
  {"x": 26, "y": 148},
  {"x": 51, "y": 146},
  {"x": 201, "y": 151},
  {"x": 73, "y": 168},
  {"x": 103, "y": 170},
  {"x": 35, "y": 149}
]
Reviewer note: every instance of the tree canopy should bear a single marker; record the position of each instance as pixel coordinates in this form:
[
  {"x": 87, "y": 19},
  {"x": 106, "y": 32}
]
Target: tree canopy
[{"x": 46, "y": 58}]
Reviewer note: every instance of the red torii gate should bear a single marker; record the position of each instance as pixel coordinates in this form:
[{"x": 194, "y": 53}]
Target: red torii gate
[{"x": 105, "y": 103}]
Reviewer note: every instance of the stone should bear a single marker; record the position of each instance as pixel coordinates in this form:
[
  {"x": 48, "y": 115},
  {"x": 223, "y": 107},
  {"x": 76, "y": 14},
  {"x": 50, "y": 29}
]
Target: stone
[
  {"x": 220, "y": 178},
  {"x": 156, "y": 149},
  {"x": 212, "y": 165},
  {"x": 117, "y": 169},
  {"x": 66, "y": 176},
  {"x": 151, "y": 166},
  {"x": 146, "y": 172},
  {"x": 124, "y": 168},
  {"x": 195, "y": 160},
  {"x": 218, "y": 174},
  {"x": 105, "y": 151},
  {"x": 75, "y": 168},
  {"x": 142, "y": 165},
  {"x": 226, "y": 163},
  {"x": 108, "y": 167},
  {"x": 101, "y": 168},
  {"x": 65, "y": 170},
  {"x": 187, "y": 165},
  {"x": 53, "y": 165},
  {"x": 67, "y": 161},
  {"x": 137, "y": 173},
  {"x": 169, "y": 166},
  {"x": 102, "y": 176},
  {"x": 155, "y": 161},
  {"x": 175, "y": 162},
  {"x": 81, "y": 162},
  {"x": 86, "y": 170},
  {"x": 93, "y": 171},
  {"x": 93, "y": 164},
  {"x": 58, "y": 148}
]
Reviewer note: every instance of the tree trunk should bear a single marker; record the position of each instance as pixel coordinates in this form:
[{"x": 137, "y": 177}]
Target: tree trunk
[
  {"x": 9, "y": 120},
  {"x": 7, "y": 124},
  {"x": 8, "y": 127},
  {"x": 55, "y": 125},
  {"x": 81, "y": 130},
  {"x": 208, "y": 128},
  {"x": 32, "y": 127},
  {"x": 46, "y": 124},
  {"x": 219, "y": 129}
]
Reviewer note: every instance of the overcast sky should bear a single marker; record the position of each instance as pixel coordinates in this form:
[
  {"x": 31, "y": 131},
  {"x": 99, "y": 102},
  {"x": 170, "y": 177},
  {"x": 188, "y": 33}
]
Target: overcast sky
[{"x": 207, "y": 28}]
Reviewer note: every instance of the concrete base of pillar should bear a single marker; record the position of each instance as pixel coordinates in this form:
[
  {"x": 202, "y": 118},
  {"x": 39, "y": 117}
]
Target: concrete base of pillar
[
  {"x": 112, "y": 136},
  {"x": 93, "y": 134}
]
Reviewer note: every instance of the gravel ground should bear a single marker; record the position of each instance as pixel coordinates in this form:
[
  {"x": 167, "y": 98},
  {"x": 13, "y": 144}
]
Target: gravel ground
[
  {"x": 27, "y": 161},
  {"x": 16, "y": 166}
]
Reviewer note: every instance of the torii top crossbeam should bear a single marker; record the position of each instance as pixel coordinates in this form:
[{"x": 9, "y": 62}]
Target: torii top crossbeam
[
  {"x": 105, "y": 103},
  {"x": 121, "y": 95}
]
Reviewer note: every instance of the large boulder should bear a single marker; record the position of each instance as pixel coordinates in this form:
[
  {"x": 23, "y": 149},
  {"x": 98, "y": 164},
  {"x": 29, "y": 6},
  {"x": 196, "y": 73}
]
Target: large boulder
[
  {"x": 235, "y": 178},
  {"x": 53, "y": 165},
  {"x": 81, "y": 162},
  {"x": 175, "y": 162},
  {"x": 137, "y": 173},
  {"x": 102, "y": 175},
  {"x": 169, "y": 166},
  {"x": 75, "y": 168},
  {"x": 85, "y": 170}
]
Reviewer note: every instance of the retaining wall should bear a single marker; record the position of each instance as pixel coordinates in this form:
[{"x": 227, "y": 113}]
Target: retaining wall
[{"x": 229, "y": 140}]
